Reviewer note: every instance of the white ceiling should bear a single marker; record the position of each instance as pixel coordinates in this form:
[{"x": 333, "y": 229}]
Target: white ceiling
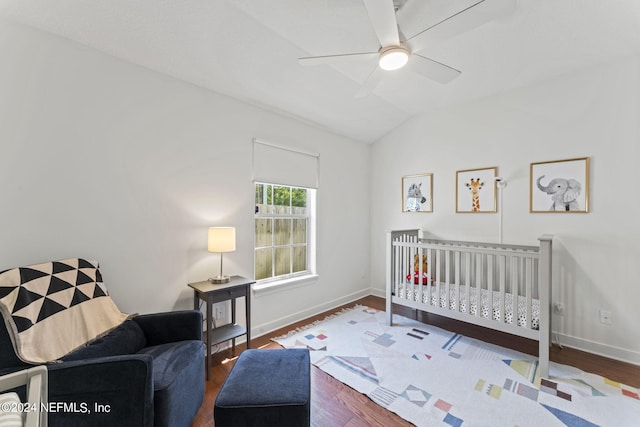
[{"x": 248, "y": 49}]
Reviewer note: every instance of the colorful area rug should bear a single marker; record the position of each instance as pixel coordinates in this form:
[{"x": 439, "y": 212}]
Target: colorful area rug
[{"x": 432, "y": 377}]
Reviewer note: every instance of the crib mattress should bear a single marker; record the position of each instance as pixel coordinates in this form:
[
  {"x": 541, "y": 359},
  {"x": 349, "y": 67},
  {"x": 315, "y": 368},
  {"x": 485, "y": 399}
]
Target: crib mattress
[{"x": 404, "y": 289}]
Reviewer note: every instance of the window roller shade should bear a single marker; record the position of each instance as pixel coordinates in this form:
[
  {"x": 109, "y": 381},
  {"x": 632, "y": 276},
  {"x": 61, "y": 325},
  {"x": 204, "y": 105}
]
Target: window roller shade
[{"x": 282, "y": 165}]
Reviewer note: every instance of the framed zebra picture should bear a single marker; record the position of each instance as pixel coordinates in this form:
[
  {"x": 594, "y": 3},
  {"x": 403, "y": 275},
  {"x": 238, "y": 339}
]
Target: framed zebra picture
[
  {"x": 476, "y": 190},
  {"x": 417, "y": 193}
]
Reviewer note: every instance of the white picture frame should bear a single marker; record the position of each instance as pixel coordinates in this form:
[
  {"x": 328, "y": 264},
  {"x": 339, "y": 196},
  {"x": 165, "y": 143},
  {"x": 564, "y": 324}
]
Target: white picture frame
[{"x": 417, "y": 193}]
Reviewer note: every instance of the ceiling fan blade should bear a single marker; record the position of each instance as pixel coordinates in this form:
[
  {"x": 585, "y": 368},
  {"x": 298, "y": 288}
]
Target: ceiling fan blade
[
  {"x": 471, "y": 17},
  {"x": 411, "y": 13},
  {"x": 382, "y": 15},
  {"x": 433, "y": 70},
  {"x": 333, "y": 59},
  {"x": 370, "y": 84}
]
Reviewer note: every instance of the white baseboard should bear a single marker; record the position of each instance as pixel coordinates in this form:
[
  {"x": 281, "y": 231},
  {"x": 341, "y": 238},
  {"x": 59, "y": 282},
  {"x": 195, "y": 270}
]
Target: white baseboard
[
  {"x": 378, "y": 293},
  {"x": 605, "y": 350},
  {"x": 268, "y": 327}
]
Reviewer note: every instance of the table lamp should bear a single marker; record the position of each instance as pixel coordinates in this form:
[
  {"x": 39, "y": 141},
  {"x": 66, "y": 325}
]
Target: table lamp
[{"x": 221, "y": 239}]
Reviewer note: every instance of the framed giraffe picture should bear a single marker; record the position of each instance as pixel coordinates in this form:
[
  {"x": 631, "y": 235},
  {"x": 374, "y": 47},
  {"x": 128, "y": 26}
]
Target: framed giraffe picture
[
  {"x": 417, "y": 193},
  {"x": 476, "y": 190}
]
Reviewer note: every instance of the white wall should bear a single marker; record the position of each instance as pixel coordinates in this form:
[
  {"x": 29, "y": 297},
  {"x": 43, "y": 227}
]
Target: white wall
[
  {"x": 109, "y": 161},
  {"x": 593, "y": 113}
]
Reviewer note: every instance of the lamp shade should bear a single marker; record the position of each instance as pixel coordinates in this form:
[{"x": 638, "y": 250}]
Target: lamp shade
[{"x": 222, "y": 239}]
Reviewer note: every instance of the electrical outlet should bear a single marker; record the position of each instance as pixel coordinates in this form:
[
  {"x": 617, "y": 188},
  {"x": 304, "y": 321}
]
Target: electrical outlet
[
  {"x": 605, "y": 317},
  {"x": 219, "y": 312},
  {"x": 559, "y": 309}
]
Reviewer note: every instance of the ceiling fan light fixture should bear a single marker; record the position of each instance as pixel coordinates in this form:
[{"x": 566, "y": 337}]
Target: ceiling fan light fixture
[{"x": 393, "y": 58}]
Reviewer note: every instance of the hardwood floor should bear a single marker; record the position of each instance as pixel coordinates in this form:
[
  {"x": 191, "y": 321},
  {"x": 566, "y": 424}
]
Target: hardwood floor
[{"x": 335, "y": 404}]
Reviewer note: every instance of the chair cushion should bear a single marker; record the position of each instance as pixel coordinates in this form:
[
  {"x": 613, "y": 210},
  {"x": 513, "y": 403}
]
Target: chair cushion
[{"x": 127, "y": 338}]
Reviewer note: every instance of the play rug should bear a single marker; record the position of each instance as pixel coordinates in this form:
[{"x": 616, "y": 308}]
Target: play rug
[{"x": 432, "y": 377}]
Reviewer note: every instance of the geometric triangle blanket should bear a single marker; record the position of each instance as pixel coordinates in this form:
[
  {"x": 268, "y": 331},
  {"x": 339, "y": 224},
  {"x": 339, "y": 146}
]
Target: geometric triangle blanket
[
  {"x": 433, "y": 377},
  {"x": 54, "y": 308}
]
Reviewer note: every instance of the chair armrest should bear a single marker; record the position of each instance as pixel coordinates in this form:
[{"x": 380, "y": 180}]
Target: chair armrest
[
  {"x": 173, "y": 326},
  {"x": 105, "y": 391}
]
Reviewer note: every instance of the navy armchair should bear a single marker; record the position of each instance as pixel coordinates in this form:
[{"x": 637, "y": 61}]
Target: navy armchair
[{"x": 147, "y": 372}]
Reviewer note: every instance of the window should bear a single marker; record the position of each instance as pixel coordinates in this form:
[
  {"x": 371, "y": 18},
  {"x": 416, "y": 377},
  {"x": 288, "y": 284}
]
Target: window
[
  {"x": 285, "y": 185},
  {"x": 284, "y": 218}
]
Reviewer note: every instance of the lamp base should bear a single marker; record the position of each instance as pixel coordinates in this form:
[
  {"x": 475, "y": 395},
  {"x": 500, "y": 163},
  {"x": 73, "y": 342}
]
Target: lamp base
[{"x": 219, "y": 279}]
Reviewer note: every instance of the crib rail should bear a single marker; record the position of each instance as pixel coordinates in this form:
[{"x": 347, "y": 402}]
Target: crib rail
[{"x": 457, "y": 273}]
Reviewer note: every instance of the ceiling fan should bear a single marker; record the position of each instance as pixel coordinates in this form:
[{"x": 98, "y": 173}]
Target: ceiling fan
[{"x": 396, "y": 51}]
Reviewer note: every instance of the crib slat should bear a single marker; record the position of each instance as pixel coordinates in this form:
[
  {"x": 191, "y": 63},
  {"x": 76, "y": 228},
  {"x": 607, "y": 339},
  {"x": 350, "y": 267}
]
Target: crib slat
[
  {"x": 490, "y": 261},
  {"x": 478, "y": 261},
  {"x": 503, "y": 279},
  {"x": 437, "y": 255},
  {"x": 420, "y": 253},
  {"x": 447, "y": 286},
  {"x": 514, "y": 290},
  {"x": 528, "y": 310},
  {"x": 457, "y": 268},
  {"x": 416, "y": 281},
  {"x": 399, "y": 269},
  {"x": 467, "y": 281},
  {"x": 434, "y": 288},
  {"x": 417, "y": 285},
  {"x": 428, "y": 252},
  {"x": 452, "y": 289},
  {"x": 438, "y": 282},
  {"x": 396, "y": 268},
  {"x": 408, "y": 255}
]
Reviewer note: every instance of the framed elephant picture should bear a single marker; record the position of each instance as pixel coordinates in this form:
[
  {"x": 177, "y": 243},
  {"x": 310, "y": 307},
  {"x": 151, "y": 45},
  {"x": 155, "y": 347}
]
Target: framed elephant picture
[
  {"x": 559, "y": 186},
  {"x": 417, "y": 193}
]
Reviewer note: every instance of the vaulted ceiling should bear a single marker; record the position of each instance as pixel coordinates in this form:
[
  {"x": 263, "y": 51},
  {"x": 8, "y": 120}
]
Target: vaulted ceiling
[{"x": 248, "y": 49}]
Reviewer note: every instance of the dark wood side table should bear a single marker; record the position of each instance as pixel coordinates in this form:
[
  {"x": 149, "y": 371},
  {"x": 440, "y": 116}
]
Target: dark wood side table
[{"x": 213, "y": 293}]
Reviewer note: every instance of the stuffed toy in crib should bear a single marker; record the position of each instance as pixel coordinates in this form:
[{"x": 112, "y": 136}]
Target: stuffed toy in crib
[{"x": 416, "y": 270}]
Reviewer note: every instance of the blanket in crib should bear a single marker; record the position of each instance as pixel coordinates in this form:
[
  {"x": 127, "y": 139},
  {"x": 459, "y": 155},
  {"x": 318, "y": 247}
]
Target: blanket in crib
[
  {"x": 519, "y": 312},
  {"x": 53, "y": 308}
]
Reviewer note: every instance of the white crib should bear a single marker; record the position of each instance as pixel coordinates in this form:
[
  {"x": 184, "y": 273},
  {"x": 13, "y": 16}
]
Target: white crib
[{"x": 502, "y": 287}]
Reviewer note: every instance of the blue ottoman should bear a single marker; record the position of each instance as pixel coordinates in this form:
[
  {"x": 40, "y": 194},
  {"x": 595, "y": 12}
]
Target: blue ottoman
[{"x": 266, "y": 388}]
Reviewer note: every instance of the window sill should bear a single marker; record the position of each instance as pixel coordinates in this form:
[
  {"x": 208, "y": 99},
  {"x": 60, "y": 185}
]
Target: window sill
[{"x": 281, "y": 285}]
